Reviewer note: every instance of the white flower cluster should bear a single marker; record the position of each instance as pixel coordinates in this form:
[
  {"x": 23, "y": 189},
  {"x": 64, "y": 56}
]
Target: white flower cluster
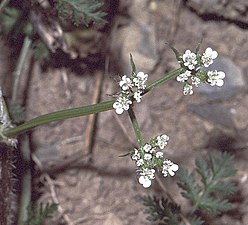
[
  {"x": 194, "y": 75},
  {"x": 149, "y": 157},
  {"x": 131, "y": 89}
]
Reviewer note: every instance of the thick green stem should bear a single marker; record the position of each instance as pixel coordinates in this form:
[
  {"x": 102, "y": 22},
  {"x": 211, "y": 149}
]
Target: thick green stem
[
  {"x": 57, "y": 116},
  {"x": 26, "y": 189},
  {"x": 136, "y": 127},
  {"x": 21, "y": 61},
  {"x": 25, "y": 196}
]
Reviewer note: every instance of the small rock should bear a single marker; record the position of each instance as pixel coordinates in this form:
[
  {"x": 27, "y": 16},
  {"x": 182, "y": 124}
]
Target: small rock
[
  {"x": 137, "y": 38},
  {"x": 214, "y": 113},
  {"x": 234, "y": 80}
]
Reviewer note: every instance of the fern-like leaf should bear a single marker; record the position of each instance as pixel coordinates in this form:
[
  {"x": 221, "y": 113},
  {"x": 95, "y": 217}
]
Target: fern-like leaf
[
  {"x": 196, "y": 221},
  {"x": 188, "y": 184},
  {"x": 81, "y": 11},
  {"x": 214, "y": 205},
  {"x": 38, "y": 214},
  {"x": 161, "y": 210},
  {"x": 209, "y": 195}
]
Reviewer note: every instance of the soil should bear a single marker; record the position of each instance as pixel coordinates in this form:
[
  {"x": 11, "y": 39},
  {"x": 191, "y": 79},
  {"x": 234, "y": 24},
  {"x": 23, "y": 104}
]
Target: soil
[{"x": 91, "y": 183}]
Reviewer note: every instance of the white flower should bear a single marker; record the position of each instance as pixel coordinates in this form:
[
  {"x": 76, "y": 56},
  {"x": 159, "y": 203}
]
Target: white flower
[
  {"x": 187, "y": 89},
  {"x": 169, "y": 167},
  {"x": 172, "y": 169},
  {"x": 184, "y": 76},
  {"x": 125, "y": 83},
  {"x": 147, "y": 147},
  {"x": 216, "y": 78},
  {"x": 189, "y": 59},
  {"x": 144, "y": 180},
  {"x": 122, "y": 103},
  {"x": 137, "y": 96},
  {"x": 208, "y": 56},
  {"x": 147, "y": 156},
  {"x": 159, "y": 155},
  {"x": 140, "y": 79},
  {"x": 148, "y": 173},
  {"x": 195, "y": 81},
  {"x": 153, "y": 150},
  {"x": 136, "y": 155},
  {"x": 140, "y": 162},
  {"x": 162, "y": 141}
]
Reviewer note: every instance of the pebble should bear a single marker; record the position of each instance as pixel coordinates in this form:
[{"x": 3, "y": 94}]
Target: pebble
[{"x": 215, "y": 113}]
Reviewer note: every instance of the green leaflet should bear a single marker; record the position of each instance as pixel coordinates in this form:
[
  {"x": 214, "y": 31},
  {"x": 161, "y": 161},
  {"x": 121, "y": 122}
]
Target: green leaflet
[
  {"x": 209, "y": 194},
  {"x": 37, "y": 214},
  {"x": 81, "y": 11},
  {"x": 161, "y": 210}
]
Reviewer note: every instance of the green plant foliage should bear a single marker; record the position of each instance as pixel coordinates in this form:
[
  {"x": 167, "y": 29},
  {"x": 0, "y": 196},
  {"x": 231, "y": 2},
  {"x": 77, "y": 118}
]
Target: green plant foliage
[
  {"x": 161, "y": 210},
  {"x": 209, "y": 194},
  {"x": 81, "y": 11},
  {"x": 132, "y": 64},
  {"x": 14, "y": 23},
  {"x": 196, "y": 221},
  {"x": 38, "y": 214},
  {"x": 9, "y": 18},
  {"x": 17, "y": 113},
  {"x": 40, "y": 50}
]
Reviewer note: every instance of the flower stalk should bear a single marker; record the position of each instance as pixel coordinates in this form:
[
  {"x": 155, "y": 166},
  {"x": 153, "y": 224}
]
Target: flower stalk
[
  {"x": 136, "y": 127},
  {"x": 57, "y": 116},
  {"x": 77, "y": 112}
]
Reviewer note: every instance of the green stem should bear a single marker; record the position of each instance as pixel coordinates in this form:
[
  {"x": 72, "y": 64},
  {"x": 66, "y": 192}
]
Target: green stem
[
  {"x": 136, "y": 127},
  {"x": 82, "y": 111},
  {"x": 25, "y": 197},
  {"x": 164, "y": 79},
  {"x": 21, "y": 61},
  {"x": 57, "y": 116}
]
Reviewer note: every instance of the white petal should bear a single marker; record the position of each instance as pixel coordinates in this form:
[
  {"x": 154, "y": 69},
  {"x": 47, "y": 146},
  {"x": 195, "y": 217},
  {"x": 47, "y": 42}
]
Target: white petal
[
  {"x": 214, "y": 55},
  {"x": 119, "y": 110},
  {"x": 209, "y": 51},
  {"x": 221, "y": 74},
  {"x": 147, "y": 183},
  {"x": 116, "y": 105},
  {"x": 141, "y": 180},
  {"x": 219, "y": 83},
  {"x": 173, "y": 169}
]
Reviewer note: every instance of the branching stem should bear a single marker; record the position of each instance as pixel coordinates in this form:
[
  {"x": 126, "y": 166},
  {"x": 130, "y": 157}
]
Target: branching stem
[{"x": 81, "y": 111}]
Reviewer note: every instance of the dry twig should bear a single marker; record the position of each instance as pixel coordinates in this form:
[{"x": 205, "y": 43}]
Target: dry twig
[{"x": 51, "y": 185}]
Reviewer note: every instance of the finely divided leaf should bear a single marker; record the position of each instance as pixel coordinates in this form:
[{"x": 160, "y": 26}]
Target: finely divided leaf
[
  {"x": 161, "y": 210},
  {"x": 196, "y": 221},
  {"x": 209, "y": 194},
  {"x": 81, "y": 11},
  {"x": 188, "y": 184},
  {"x": 38, "y": 214}
]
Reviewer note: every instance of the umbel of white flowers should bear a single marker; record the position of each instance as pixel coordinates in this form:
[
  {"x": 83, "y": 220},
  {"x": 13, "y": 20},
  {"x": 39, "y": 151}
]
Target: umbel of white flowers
[
  {"x": 149, "y": 158},
  {"x": 194, "y": 74},
  {"x": 131, "y": 88}
]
